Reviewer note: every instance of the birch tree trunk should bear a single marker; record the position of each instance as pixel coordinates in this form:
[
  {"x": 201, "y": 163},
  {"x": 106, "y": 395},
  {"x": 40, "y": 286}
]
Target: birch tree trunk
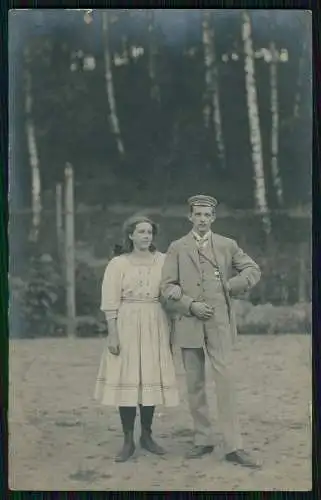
[
  {"x": 126, "y": 51},
  {"x": 276, "y": 176},
  {"x": 304, "y": 71},
  {"x": 110, "y": 85},
  {"x": 212, "y": 109},
  {"x": 154, "y": 89},
  {"x": 254, "y": 123},
  {"x": 208, "y": 61},
  {"x": 298, "y": 94},
  {"x": 33, "y": 153}
]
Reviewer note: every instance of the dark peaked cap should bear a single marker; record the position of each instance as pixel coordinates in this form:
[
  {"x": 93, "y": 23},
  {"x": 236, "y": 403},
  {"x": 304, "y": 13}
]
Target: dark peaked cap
[{"x": 202, "y": 200}]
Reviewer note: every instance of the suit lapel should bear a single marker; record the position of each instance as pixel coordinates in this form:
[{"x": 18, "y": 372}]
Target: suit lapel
[
  {"x": 192, "y": 251},
  {"x": 218, "y": 258},
  {"x": 220, "y": 265}
]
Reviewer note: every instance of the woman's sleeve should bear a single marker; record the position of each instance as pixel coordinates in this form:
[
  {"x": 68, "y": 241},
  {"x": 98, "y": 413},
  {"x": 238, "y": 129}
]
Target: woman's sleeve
[{"x": 111, "y": 289}]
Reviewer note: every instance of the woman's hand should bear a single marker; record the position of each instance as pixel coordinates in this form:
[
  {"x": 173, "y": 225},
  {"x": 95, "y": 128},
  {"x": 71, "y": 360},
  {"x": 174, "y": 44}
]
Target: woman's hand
[
  {"x": 175, "y": 292},
  {"x": 113, "y": 344},
  {"x": 112, "y": 337}
]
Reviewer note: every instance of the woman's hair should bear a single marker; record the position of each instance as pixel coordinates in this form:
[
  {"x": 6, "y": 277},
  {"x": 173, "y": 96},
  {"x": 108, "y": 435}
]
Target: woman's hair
[{"x": 128, "y": 229}]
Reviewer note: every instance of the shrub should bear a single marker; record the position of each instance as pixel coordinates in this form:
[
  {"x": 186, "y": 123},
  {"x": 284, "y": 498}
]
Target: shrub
[
  {"x": 88, "y": 326},
  {"x": 37, "y": 305},
  {"x": 35, "y": 300},
  {"x": 269, "y": 319},
  {"x": 88, "y": 284}
]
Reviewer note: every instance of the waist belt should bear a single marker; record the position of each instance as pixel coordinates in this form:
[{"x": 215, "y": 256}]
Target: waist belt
[{"x": 142, "y": 300}]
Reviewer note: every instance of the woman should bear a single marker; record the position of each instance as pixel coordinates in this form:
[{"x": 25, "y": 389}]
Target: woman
[{"x": 137, "y": 366}]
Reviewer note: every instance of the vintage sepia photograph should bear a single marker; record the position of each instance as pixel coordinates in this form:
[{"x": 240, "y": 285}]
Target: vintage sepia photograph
[{"x": 160, "y": 206}]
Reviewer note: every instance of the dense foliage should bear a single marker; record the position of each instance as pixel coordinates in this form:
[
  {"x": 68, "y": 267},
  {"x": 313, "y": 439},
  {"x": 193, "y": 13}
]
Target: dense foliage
[{"x": 169, "y": 154}]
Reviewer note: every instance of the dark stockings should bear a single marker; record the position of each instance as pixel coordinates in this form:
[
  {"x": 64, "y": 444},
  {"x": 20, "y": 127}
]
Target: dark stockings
[
  {"x": 127, "y": 416},
  {"x": 146, "y": 417}
]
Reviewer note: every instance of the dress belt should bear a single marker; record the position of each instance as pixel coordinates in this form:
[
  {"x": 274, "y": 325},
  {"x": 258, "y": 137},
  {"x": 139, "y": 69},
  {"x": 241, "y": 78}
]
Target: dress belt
[{"x": 140, "y": 300}]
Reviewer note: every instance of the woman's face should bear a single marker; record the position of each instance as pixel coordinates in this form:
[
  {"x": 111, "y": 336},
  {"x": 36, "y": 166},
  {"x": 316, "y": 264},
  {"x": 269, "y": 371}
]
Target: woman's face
[{"x": 142, "y": 236}]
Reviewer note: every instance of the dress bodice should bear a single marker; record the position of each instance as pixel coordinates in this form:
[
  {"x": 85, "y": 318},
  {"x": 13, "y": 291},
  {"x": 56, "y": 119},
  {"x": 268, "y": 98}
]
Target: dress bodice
[{"x": 126, "y": 279}]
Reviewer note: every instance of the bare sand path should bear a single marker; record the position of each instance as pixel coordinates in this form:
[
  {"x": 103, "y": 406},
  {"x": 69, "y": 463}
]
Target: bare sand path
[{"x": 61, "y": 439}]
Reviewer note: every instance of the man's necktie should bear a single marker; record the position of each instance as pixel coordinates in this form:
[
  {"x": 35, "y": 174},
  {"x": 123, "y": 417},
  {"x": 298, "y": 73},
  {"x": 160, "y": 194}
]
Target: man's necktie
[{"x": 201, "y": 241}]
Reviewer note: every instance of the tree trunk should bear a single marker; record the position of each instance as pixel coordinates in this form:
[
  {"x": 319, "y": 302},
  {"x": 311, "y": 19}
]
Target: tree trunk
[
  {"x": 212, "y": 110},
  {"x": 126, "y": 51},
  {"x": 276, "y": 176},
  {"x": 110, "y": 85},
  {"x": 298, "y": 94},
  {"x": 154, "y": 88},
  {"x": 254, "y": 123},
  {"x": 297, "y": 98},
  {"x": 33, "y": 153},
  {"x": 208, "y": 61}
]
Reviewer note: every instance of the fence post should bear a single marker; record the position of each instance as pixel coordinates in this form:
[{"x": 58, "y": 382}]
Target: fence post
[
  {"x": 59, "y": 221},
  {"x": 70, "y": 251},
  {"x": 302, "y": 273}
]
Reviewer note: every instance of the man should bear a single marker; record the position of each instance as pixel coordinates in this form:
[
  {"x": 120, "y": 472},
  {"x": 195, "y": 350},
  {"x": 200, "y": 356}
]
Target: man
[{"x": 199, "y": 267}]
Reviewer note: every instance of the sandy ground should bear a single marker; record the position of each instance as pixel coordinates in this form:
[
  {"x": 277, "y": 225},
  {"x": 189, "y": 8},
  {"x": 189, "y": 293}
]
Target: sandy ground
[{"x": 61, "y": 439}]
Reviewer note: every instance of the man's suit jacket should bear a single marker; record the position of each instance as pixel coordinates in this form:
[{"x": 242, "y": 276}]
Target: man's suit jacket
[{"x": 182, "y": 267}]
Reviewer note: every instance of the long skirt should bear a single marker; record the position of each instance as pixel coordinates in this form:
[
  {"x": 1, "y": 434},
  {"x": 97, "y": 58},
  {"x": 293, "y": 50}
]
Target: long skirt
[{"x": 143, "y": 372}]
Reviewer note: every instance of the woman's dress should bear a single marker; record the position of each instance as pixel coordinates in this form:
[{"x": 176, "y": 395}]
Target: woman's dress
[{"x": 143, "y": 372}]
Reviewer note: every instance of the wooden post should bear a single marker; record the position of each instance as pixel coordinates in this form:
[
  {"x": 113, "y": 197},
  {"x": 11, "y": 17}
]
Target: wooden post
[
  {"x": 70, "y": 251},
  {"x": 302, "y": 273},
  {"x": 310, "y": 402},
  {"x": 59, "y": 222}
]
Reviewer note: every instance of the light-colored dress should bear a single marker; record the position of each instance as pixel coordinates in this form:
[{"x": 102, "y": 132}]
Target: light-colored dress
[{"x": 143, "y": 372}]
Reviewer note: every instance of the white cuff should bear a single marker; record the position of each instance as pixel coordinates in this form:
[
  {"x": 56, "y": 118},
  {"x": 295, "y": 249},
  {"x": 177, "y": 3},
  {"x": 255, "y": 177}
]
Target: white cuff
[{"x": 111, "y": 314}]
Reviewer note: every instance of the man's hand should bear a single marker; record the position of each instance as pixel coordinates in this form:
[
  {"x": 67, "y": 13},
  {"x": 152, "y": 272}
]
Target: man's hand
[
  {"x": 202, "y": 310},
  {"x": 175, "y": 292},
  {"x": 113, "y": 344}
]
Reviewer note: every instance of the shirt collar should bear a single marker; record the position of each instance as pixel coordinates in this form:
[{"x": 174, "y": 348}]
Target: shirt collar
[{"x": 201, "y": 238}]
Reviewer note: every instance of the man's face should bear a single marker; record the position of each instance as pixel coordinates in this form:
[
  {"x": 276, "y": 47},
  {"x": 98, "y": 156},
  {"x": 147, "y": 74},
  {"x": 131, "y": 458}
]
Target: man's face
[{"x": 202, "y": 218}]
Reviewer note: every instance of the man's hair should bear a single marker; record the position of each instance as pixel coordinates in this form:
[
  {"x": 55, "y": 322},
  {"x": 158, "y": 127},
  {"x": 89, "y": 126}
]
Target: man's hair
[{"x": 191, "y": 208}]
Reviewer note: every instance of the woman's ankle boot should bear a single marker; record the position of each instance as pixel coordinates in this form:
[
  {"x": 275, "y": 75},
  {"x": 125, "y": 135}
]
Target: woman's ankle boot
[
  {"x": 127, "y": 417},
  {"x": 146, "y": 440},
  {"x": 128, "y": 448}
]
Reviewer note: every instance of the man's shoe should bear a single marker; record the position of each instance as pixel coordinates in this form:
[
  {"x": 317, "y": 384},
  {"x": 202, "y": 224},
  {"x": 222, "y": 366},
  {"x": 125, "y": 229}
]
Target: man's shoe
[
  {"x": 240, "y": 457},
  {"x": 148, "y": 443},
  {"x": 198, "y": 451}
]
